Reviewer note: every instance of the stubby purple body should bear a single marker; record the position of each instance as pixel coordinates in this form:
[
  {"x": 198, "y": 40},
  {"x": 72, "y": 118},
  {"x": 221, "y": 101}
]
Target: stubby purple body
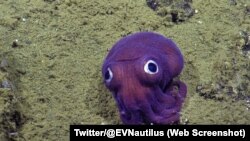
[{"x": 140, "y": 70}]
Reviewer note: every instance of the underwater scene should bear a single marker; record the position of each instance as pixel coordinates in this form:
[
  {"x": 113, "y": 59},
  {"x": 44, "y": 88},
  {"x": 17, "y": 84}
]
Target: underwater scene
[{"x": 110, "y": 62}]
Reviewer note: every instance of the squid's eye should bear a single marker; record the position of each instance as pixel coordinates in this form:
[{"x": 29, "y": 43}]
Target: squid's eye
[
  {"x": 151, "y": 67},
  {"x": 108, "y": 75}
]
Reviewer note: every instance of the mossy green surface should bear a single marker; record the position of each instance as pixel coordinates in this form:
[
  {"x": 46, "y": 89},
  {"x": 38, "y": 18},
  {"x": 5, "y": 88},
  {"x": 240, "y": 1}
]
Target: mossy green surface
[{"x": 59, "y": 46}]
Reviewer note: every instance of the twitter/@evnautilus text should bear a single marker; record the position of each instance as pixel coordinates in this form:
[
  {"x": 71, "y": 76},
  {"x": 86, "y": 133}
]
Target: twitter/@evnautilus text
[{"x": 81, "y": 131}]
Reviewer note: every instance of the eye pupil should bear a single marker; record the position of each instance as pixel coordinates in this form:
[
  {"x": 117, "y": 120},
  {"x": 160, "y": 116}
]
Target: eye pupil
[
  {"x": 107, "y": 75},
  {"x": 152, "y": 67}
]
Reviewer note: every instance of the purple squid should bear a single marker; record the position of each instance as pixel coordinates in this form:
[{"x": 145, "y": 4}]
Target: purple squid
[{"x": 140, "y": 70}]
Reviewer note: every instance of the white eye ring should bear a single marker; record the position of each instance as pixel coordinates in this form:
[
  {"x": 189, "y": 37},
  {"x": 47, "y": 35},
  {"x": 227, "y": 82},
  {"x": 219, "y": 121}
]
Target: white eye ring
[
  {"x": 108, "y": 75},
  {"x": 151, "y": 67}
]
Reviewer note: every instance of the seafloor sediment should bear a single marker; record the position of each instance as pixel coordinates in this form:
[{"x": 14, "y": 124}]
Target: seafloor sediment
[{"x": 51, "y": 53}]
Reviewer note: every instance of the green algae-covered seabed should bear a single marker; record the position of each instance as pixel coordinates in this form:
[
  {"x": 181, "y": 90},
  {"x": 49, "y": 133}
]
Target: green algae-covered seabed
[{"x": 51, "y": 52}]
